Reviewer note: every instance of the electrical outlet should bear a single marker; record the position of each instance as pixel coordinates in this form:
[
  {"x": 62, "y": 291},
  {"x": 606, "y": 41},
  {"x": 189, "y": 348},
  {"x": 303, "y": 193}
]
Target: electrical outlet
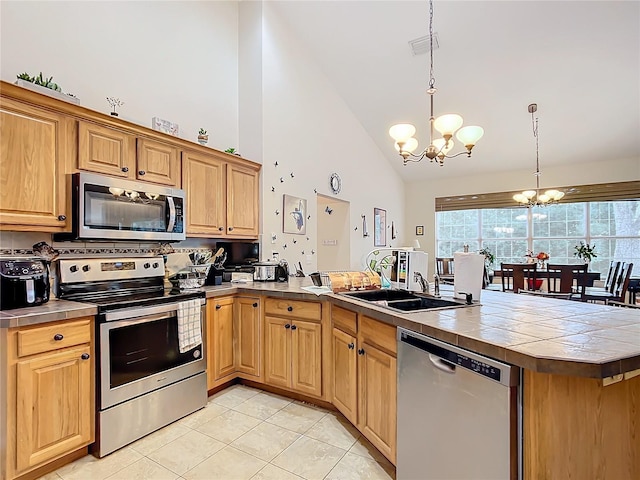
[{"x": 308, "y": 257}]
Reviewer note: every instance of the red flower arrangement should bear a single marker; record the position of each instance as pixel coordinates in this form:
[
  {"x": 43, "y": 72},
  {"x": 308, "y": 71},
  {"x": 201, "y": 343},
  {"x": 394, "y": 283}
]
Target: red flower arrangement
[{"x": 542, "y": 256}]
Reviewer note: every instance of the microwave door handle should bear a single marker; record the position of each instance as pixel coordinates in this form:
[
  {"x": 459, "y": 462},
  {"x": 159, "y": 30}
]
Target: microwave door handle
[{"x": 172, "y": 214}]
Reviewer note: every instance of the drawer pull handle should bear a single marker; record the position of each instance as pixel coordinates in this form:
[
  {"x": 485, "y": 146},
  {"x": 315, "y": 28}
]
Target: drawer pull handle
[
  {"x": 125, "y": 169},
  {"x": 62, "y": 218},
  {"x": 230, "y": 229},
  {"x": 361, "y": 351},
  {"x": 293, "y": 327},
  {"x": 218, "y": 307},
  {"x": 58, "y": 336},
  {"x": 220, "y": 229},
  {"x": 351, "y": 346},
  {"x": 141, "y": 172},
  {"x": 287, "y": 326},
  {"x": 85, "y": 356},
  {"x": 255, "y": 305},
  {"x": 289, "y": 309}
]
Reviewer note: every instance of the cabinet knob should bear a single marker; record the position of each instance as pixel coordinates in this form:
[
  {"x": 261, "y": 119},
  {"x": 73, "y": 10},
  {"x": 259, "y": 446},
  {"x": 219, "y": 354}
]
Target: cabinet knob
[
  {"x": 230, "y": 228},
  {"x": 293, "y": 327},
  {"x": 125, "y": 169},
  {"x": 287, "y": 326},
  {"x": 361, "y": 351},
  {"x": 220, "y": 229},
  {"x": 255, "y": 305},
  {"x": 289, "y": 309},
  {"x": 58, "y": 336},
  {"x": 141, "y": 172},
  {"x": 62, "y": 218},
  {"x": 218, "y": 307},
  {"x": 351, "y": 346},
  {"x": 85, "y": 356}
]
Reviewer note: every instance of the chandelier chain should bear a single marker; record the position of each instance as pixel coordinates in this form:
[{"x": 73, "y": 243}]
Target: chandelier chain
[
  {"x": 432, "y": 80},
  {"x": 534, "y": 126}
]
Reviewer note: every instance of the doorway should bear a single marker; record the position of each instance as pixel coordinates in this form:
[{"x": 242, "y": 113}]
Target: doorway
[{"x": 334, "y": 249}]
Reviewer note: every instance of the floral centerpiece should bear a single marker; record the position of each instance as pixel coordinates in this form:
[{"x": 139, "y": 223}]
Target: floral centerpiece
[
  {"x": 585, "y": 252},
  {"x": 542, "y": 257}
]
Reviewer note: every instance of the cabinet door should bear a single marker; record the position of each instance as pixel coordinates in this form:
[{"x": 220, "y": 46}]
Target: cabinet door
[
  {"x": 220, "y": 349},
  {"x": 105, "y": 150},
  {"x": 203, "y": 180},
  {"x": 158, "y": 163},
  {"x": 377, "y": 391},
  {"x": 277, "y": 351},
  {"x": 345, "y": 386},
  {"x": 242, "y": 201},
  {"x": 306, "y": 357},
  {"x": 35, "y": 145},
  {"x": 55, "y": 405},
  {"x": 247, "y": 333}
]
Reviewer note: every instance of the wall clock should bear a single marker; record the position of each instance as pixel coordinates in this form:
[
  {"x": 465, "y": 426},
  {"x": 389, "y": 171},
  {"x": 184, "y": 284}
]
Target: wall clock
[{"x": 335, "y": 183}]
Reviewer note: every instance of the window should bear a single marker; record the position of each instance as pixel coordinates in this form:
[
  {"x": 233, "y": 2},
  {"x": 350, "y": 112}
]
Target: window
[{"x": 613, "y": 226}]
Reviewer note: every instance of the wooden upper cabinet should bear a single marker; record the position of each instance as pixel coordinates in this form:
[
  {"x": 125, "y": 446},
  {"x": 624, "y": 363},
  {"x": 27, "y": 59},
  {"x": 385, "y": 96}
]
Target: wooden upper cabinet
[
  {"x": 158, "y": 163},
  {"x": 203, "y": 180},
  {"x": 242, "y": 201},
  {"x": 35, "y": 145},
  {"x": 105, "y": 150}
]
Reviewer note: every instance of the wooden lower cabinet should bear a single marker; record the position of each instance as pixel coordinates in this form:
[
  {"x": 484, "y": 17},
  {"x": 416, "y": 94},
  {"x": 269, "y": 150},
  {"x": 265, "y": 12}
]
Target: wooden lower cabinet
[
  {"x": 50, "y": 394},
  {"x": 220, "y": 356},
  {"x": 364, "y": 377},
  {"x": 247, "y": 333},
  {"x": 293, "y": 345}
]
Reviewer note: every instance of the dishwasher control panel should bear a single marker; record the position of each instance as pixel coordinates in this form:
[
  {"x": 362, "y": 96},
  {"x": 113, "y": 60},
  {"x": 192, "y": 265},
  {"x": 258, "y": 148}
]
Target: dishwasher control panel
[{"x": 454, "y": 358}]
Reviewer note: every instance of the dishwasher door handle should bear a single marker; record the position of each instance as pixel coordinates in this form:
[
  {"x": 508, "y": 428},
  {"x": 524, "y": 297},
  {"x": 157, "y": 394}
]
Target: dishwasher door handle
[{"x": 442, "y": 364}]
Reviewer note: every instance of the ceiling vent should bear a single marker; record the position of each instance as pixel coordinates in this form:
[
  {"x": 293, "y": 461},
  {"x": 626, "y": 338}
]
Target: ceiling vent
[{"x": 420, "y": 46}]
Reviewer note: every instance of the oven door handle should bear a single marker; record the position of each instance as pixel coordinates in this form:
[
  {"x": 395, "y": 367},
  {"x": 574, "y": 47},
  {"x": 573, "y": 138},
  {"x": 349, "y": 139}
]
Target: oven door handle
[
  {"x": 137, "y": 320},
  {"x": 127, "y": 313}
]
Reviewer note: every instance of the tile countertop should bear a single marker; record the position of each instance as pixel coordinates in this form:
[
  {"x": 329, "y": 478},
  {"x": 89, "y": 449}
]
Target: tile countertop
[{"x": 536, "y": 333}]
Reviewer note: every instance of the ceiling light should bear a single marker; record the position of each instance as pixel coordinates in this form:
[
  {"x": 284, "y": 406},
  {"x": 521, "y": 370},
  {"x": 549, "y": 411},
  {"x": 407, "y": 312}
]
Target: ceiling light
[
  {"x": 447, "y": 125},
  {"x": 533, "y": 198}
]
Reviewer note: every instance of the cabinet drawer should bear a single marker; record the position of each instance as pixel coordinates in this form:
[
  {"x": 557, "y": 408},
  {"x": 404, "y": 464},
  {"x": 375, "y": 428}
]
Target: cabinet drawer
[
  {"x": 343, "y": 319},
  {"x": 52, "y": 337},
  {"x": 293, "y": 308},
  {"x": 378, "y": 333}
]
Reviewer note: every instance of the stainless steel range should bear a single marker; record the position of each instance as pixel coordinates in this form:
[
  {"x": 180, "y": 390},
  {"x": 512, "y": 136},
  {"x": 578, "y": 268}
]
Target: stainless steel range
[{"x": 151, "y": 368}]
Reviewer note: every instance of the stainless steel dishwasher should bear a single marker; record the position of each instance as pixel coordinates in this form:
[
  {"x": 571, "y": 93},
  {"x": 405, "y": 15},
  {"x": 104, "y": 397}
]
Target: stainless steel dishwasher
[{"x": 458, "y": 413}]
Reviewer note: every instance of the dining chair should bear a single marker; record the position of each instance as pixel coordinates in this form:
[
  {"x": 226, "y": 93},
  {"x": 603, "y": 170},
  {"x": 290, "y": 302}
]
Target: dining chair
[
  {"x": 515, "y": 274},
  {"x": 445, "y": 268},
  {"x": 561, "y": 278},
  {"x": 619, "y": 289},
  {"x": 614, "y": 268}
]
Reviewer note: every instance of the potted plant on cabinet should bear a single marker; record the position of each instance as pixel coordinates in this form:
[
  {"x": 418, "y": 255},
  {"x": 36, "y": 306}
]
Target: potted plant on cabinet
[
  {"x": 203, "y": 138},
  {"x": 585, "y": 252},
  {"x": 46, "y": 86}
]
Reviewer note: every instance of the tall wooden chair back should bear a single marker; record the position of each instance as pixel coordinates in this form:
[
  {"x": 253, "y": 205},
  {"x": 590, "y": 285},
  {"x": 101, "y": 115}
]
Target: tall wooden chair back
[
  {"x": 560, "y": 278},
  {"x": 444, "y": 266},
  {"x": 621, "y": 285},
  {"x": 518, "y": 276},
  {"x": 612, "y": 274}
]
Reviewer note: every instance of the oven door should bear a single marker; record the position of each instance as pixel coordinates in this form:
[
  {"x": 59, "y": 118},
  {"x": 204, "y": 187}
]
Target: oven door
[{"x": 139, "y": 353}]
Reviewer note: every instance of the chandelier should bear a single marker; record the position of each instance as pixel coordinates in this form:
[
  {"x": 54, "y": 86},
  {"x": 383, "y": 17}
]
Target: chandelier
[
  {"x": 446, "y": 125},
  {"x": 533, "y": 198}
]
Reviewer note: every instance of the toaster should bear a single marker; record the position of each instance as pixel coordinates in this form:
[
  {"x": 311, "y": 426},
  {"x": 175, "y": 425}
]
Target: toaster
[{"x": 23, "y": 283}]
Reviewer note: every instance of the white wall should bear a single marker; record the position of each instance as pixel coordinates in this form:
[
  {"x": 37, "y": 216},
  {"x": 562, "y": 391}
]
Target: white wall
[
  {"x": 420, "y": 196},
  {"x": 174, "y": 60},
  {"x": 309, "y": 130}
]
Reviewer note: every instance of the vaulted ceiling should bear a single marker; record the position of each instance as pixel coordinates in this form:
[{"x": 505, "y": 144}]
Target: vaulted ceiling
[{"x": 578, "y": 60}]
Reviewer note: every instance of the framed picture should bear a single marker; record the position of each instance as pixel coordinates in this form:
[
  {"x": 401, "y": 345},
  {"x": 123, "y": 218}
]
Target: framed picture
[
  {"x": 379, "y": 227},
  {"x": 294, "y": 215},
  {"x": 420, "y": 230}
]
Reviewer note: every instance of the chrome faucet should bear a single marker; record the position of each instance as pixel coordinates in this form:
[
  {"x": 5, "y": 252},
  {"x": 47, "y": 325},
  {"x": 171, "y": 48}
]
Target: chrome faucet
[
  {"x": 417, "y": 277},
  {"x": 436, "y": 285}
]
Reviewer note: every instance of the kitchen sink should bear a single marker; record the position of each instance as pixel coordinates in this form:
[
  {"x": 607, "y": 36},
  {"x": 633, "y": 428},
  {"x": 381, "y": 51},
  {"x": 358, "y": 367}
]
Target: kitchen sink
[{"x": 404, "y": 301}]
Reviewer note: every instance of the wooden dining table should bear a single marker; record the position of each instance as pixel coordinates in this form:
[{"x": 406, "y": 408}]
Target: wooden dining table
[{"x": 541, "y": 275}]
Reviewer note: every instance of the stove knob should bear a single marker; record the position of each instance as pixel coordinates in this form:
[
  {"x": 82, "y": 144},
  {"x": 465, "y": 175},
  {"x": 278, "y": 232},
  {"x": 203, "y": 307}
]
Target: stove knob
[
  {"x": 25, "y": 271},
  {"x": 155, "y": 264},
  {"x": 146, "y": 265},
  {"x": 73, "y": 268},
  {"x": 86, "y": 268}
]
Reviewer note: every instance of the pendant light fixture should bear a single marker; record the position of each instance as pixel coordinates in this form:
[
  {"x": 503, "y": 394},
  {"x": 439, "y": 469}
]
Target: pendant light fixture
[
  {"x": 447, "y": 125},
  {"x": 533, "y": 198}
]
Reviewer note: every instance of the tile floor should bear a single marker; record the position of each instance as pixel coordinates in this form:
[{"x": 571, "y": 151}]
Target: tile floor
[{"x": 242, "y": 434}]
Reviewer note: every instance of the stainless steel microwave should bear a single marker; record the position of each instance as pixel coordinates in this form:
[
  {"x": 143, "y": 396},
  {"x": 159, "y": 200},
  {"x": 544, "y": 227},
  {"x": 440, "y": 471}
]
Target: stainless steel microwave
[{"x": 108, "y": 208}]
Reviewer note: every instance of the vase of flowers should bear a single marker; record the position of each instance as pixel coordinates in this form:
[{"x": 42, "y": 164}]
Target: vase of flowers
[
  {"x": 542, "y": 257},
  {"x": 203, "y": 138},
  {"x": 585, "y": 252}
]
